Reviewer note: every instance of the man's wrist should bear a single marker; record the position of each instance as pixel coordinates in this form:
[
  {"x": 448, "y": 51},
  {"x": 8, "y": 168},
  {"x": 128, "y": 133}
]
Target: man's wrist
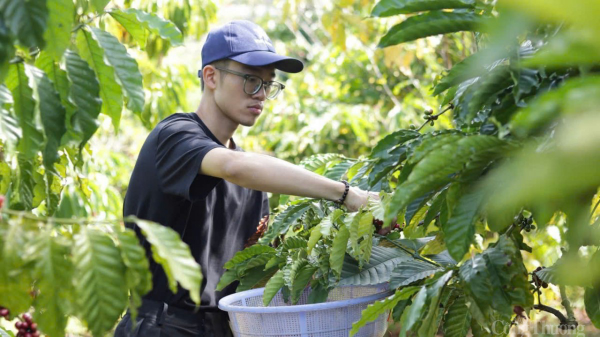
[{"x": 342, "y": 199}]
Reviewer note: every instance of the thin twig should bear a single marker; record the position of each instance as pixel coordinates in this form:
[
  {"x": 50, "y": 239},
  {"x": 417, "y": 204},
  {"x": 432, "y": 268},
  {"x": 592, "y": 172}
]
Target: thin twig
[
  {"x": 87, "y": 22},
  {"x": 566, "y": 303},
  {"x": 551, "y": 310}
]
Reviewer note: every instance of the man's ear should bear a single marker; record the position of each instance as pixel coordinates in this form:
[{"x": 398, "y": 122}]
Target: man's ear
[{"x": 209, "y": 74}]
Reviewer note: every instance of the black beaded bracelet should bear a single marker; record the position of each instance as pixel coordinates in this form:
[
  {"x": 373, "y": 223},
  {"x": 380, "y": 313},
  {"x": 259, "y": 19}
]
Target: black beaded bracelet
[{"x": 343, "y": 198}]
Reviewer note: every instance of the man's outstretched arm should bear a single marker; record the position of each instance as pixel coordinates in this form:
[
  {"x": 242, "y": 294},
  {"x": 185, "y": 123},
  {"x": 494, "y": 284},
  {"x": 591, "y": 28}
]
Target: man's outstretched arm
[{"x": 269, "y": 174}]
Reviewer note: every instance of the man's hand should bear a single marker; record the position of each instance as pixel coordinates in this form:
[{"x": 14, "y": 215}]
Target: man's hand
[{"x": 357, "y": 198}]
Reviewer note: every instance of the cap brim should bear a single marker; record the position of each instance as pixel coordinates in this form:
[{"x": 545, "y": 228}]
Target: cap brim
[{"x": 265, "y": 58}]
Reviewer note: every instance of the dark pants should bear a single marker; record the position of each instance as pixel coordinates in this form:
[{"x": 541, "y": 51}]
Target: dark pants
[{"x": 157, "y": 319}]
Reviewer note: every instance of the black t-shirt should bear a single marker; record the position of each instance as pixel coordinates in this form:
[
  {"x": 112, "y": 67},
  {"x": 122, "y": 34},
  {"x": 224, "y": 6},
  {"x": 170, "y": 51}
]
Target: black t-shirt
[{"x": 213, "y": 216}]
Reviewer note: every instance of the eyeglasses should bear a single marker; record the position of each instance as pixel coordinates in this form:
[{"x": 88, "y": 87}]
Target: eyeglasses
[{"x": 253, "y": 84}]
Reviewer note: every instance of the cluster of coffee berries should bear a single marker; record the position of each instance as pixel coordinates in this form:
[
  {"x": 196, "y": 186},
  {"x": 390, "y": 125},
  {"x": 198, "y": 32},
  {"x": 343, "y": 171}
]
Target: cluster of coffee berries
[
  {"x": 26, "y": 327},
  {"x": 4, "y": 312},
  {"x": 260, "y": 231},
  {"x": 536, "y": 280},
  {"x": 384, "y": 231}
]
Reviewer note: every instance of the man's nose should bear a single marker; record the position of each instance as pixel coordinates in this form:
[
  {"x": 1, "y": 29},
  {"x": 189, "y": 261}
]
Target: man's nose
[{"x": 261, "y": 94}]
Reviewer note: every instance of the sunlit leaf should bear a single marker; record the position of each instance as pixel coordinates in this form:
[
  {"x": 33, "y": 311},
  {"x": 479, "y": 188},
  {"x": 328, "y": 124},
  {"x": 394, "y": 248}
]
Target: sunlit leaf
[
  {"x": 139, "y": 23},
  {"x": 110, "y": 90},
  {"x": 125, "y": 67},
  {"x": 60, "y": 24}
]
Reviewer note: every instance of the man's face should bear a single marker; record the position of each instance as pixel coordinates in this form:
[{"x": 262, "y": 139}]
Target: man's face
[{"x": 237, "y": 105}]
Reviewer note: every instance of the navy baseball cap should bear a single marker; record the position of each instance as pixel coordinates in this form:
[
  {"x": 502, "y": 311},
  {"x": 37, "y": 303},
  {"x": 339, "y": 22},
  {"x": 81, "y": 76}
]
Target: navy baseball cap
[{"x": 246, "y": 43}]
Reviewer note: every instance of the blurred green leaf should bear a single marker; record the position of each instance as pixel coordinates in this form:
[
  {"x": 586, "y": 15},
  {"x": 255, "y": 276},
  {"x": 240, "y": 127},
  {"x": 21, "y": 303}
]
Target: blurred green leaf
[
  {"x": 592, "y": 305},
  {"x": 393, "y": 7},
  {"x": 60, "y": 23},
  {"x": 567, "y": 49},
  {"x": 139, "y": 24},
  {"x": 582, "y": 13},
  {"x": 574, "y": 96},
  {"x": 560, "y": 173},
  {"x": 53, "y": 271},
  {"x": 26, "y": 20},
  {"x": 432, "y": 23}
]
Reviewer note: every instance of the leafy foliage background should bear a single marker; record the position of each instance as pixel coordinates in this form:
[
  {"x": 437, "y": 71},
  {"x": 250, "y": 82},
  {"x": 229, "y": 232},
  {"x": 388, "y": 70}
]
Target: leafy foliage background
[{"x": 76, "y": 104}]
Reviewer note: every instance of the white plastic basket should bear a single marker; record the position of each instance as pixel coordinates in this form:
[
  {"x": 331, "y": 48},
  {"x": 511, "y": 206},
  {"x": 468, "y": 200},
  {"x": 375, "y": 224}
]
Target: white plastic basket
[{"x": 334, "y": 318}]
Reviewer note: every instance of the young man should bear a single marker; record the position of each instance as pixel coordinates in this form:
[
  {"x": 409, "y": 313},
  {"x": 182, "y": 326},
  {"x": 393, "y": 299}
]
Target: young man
[{"x": 191, "y": 176}]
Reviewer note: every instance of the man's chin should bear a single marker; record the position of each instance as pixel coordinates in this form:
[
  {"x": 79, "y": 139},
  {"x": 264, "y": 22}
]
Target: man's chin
[{"x": 248, "y": 122}]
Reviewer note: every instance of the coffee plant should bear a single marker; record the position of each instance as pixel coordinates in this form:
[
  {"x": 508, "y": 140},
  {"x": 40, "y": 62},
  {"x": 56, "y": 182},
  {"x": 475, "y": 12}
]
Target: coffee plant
[
  {"x": 61, "y": 69},
  {"x": 522, "y": 155}
]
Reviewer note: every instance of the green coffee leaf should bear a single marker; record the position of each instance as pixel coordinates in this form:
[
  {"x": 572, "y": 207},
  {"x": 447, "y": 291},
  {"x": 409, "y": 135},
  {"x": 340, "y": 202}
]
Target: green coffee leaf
[
  {"x": 174, "y": 256},
  {"x": 429, "y": 325},
  {"x": 84, "y": 94},
  {"x": 125, "y": 67},
  {"x": 458, "y": 319},
  {"x": 52, "y": 114},
  {"x": 459, "y": 231},
  {"x": 338, "y": 249},
  {"x": 272, "y": 288},
  {"x": 414, "y": 311},
  {"x": 137, "y": 274},
  {"x": 284, "y": 220},
  {"x": 374, "y": 310},
  {"x": 246, "y": 254},
  {"x": 110, "y": 90},
  {"x": 377, "y": 270},
  {"x": 100, "y": 284},
  {"x": 411, "y": 270}
]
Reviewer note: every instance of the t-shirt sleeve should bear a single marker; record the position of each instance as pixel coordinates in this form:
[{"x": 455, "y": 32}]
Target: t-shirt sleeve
[{"x": 180, "y": 149}]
